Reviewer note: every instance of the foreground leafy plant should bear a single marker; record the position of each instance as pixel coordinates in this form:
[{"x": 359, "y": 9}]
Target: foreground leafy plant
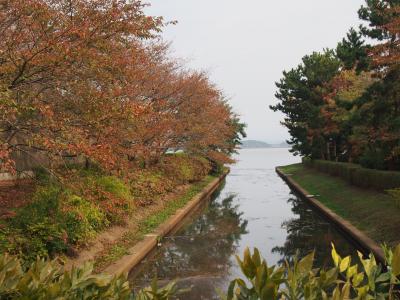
[
  {"x": 299, "y": 280},
  {"x": 154, "y": 292},
  {"x": 48, "y": 280}
]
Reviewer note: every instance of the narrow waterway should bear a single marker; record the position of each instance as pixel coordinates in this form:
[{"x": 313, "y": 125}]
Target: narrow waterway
[{"x": 254, "y": 208}]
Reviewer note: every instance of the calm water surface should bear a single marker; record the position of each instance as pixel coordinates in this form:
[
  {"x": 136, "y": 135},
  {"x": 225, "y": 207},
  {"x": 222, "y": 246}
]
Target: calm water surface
[{"x": 254, "y": 208}]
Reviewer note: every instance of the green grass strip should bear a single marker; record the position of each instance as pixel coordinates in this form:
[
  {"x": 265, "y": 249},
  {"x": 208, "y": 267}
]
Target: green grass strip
[
  {"x": 157, "y": 219},
  {"x": 373, "y": 212}
]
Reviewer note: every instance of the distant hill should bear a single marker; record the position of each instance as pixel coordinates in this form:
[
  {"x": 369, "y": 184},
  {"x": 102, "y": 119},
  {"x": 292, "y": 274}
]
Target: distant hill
[
  {"x": 252, "y": 144},
  {"x": 283, "y": 145},
  {"x": 247, "y": 144}
]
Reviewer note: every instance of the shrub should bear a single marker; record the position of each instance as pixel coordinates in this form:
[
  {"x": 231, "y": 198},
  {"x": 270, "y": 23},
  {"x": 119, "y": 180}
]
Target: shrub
[
  {"x": 47, "y": 280},
  {"x": 81, "y": 219},
  {"x": 109, "y": 193},
  {"x": 357, "y": 175},
  {"x": 114, "y": 186},
  {"x": 395, "y": 193},
  {"x": 41, "y": 239},
  {"x": 62, "y": 215},
  {"x": 381, "y": 180},
  {"x": 4, "y": 242},
  {"x": 373, "y": 159},
  {"x": 184, "y": 168},
  {"x": 51, "y": 223},
  {"x": 344, "y": 170},
  {"x": 173, "y": 170},
  {"x": 300, "y": 280},
  {"x": 217, "y": 168},
  {"x": 45, "y": 204},
  {"x": 147, "y": 185}
]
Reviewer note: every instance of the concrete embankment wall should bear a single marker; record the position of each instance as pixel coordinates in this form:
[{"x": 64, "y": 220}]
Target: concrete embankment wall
[
  {"x": 359, "y": 238},
  {"x": 137, "y": 253}
]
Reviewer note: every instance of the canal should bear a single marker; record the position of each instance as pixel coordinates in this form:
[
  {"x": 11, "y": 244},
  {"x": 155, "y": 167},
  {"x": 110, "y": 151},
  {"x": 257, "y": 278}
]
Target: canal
[{"x": 254, "y": 208}]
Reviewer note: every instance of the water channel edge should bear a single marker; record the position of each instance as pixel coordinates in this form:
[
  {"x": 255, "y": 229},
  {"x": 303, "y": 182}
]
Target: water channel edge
[
  {"x": 150, "y": 241},
  {"x": 365, "y": 243}
]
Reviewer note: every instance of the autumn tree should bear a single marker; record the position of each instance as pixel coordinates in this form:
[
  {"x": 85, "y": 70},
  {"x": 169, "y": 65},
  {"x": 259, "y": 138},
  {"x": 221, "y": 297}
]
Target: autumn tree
[
  {"x": 379, "y": 115},
  {"x": 62, "y": 66},
  {"x": 378, "y": 13},
  {"x": 92, "y": 80},
  {"x": 354, "y": 110}
]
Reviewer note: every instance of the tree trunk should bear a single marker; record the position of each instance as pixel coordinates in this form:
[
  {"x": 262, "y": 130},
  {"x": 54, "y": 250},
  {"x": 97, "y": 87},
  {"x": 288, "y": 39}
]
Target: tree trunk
[
  {"x": 328, "y": 151},
  {"x": 335, "y": 150}
]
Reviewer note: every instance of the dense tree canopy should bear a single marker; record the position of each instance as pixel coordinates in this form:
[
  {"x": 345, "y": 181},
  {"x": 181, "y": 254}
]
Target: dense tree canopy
[
  {"x": 344, "y": 104},
  {"x": 301, "y": 94},
  {"x": 92, "y": 80}
]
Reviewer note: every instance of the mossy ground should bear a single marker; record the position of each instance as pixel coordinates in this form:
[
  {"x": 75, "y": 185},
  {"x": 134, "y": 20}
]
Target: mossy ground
[{"x": 375, "y": 213}]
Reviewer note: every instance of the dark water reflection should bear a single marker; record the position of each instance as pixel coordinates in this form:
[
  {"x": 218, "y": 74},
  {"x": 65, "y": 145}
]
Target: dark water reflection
[
  {"x": 255, "y": 208},
  {"x": 307, "y": 232}
]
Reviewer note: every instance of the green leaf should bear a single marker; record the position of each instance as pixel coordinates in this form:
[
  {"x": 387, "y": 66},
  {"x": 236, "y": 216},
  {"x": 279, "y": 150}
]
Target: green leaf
[
  {"x": 268, "y": 292},
  {"x": 351, "y": 271},
  {"x": 357, "y": 279},
  {"x": 335, "y": 256},
  {"x": 344, "y": 264},
  {"x": 396, "y": 261},
  {"x": 256, "y": 258},
  {"x": 305, "y": 265}
]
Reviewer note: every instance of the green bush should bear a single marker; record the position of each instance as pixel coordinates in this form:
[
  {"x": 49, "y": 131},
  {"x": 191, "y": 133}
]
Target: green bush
[
  {"x": 395, "y": 193},
  {"x": 64, "y": 215},
  {"x": 51, "y": 223},
  {"x": 149, "y": 185},
  {"x": 344, "y": 170},
  {"x": 47, "y": 280},
  {"x": 184, "y": 168},
  {"x": 81, "y": 219},
  {"x": 109, "y": 193},
  {"x": 357, "y": 175},
  {"x": 115, "y": 186},
  {"x": 381, "y": 180},
  {"x": 36, "y": 239},
  {"x": 217, "y": 168},
  {"x": 365, "y": 279},
  {"x": 373, "y": 159}
]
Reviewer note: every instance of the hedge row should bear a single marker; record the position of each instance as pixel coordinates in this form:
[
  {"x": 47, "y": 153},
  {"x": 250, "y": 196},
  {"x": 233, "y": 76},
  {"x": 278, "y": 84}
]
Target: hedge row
[{"x": 357, "y": 175}]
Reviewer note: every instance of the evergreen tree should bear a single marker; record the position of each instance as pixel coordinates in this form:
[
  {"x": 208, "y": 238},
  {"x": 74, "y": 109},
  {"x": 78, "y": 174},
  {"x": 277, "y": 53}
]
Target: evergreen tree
[
  {"x": 353, "y": 52},
  {"x": 377, "y": 13},
  {"x": 301, "y": 95}
]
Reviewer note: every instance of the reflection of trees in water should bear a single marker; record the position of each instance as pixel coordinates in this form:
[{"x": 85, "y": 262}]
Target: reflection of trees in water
[
  {"x": 203, "y": 248},
  {"x": 308, "y": 231}
]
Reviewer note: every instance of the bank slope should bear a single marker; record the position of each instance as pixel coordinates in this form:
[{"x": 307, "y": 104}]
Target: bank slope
[{"x": 372, "y": 212}]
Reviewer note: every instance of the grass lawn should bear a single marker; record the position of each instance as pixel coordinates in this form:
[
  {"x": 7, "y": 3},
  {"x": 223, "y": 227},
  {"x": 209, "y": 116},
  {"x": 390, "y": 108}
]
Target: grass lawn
[{"x": 373, "y": 212}]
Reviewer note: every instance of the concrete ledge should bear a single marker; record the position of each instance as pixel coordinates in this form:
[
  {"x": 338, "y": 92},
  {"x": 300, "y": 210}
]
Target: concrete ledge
[
  {"x": 365, "y": 243},
  {"x": 137, "y": 253}
]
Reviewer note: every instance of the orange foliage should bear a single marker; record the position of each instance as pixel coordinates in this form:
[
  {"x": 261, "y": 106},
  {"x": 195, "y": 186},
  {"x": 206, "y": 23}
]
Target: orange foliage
[
  {"x": 91, "y": 79},
  {"x": 386, "y": 55}
]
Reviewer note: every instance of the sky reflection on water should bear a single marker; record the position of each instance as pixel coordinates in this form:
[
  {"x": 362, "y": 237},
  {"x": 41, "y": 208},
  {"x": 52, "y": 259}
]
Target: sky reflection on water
[{"x": 254, "y": 208}]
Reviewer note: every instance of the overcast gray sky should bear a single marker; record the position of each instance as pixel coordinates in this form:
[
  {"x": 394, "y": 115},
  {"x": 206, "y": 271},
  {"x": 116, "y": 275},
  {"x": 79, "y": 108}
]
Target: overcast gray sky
[{"x": 245, "y": 46}]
